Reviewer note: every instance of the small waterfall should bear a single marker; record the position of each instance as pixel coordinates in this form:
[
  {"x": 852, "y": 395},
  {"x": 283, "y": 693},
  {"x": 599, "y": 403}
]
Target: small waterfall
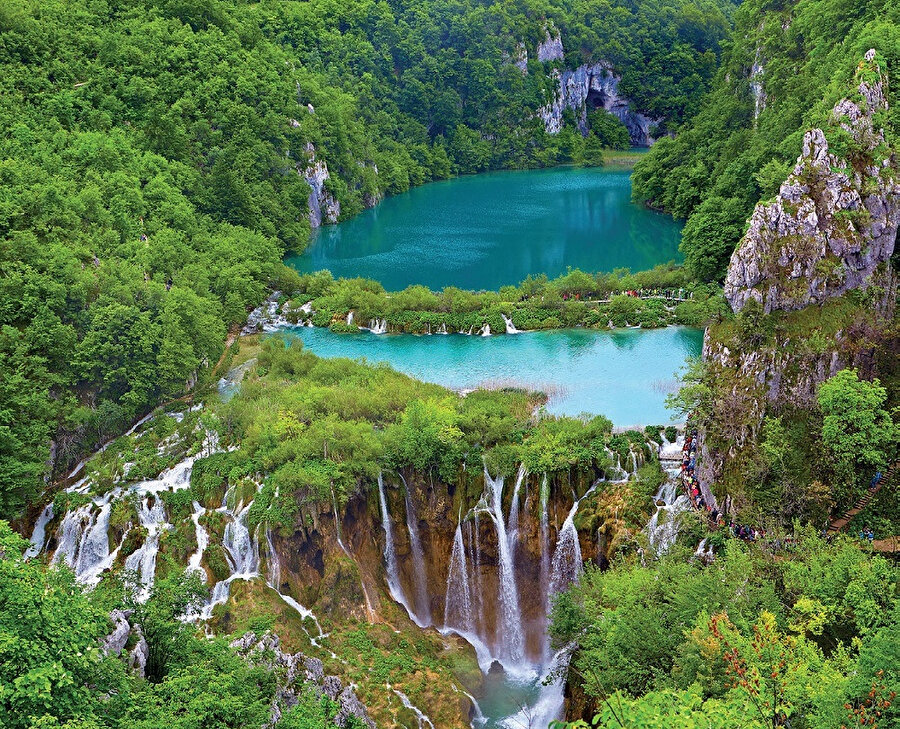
[
  {"x": 93, "y": 552},
  {"x": 423, "y": 609},
  {"x": 634, "y": 463},
  {"x": 567, "y": 562},
  {"x": 241, "y": 546},
  {"x": 378, "y": 326},
  {"x": 69, "y": 535},
  {"x": 143, "y": 561},
  {"x": 545, "y": 536},
  {"x": 485, "y": 331},
  {"x": 349, "y": 318},
  {"x": 39, "y": 535},
  {"x": 202, "y": 542},
  {"x": 511, "y": 635},
  {"x": 370, "y": 610},
  {"x": 514, "y": 508},
  {"x": 662, "y": 528},
  {"x": 273, "y": 575},
  {"x": 510, "y": 327},
  {"x": 422, "y": 719},
  {"x": 458, "y": 600},
  {"x": 442, "y": 329},
  {"x": 390, "y": 557}
]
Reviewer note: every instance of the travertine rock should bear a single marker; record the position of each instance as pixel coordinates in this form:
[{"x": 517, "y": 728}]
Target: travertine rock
[{"x": 835, "y": 218}]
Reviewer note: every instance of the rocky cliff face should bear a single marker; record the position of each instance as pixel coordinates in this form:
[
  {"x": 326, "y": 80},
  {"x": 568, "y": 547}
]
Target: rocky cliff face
[
  {"x": 323, "y": 206},
  {"x": 835, "y": 218},
  {"x": 593, "y": 87}
]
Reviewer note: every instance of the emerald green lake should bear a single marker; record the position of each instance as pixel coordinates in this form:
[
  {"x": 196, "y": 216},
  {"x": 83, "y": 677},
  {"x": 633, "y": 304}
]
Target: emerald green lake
[
  {"x": 490, "y": 230},
  {"x": 623, "y": 374}
]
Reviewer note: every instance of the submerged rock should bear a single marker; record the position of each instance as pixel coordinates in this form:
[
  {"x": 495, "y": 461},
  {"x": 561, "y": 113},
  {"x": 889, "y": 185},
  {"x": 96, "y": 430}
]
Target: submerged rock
[{"x": 836, "y": 216}]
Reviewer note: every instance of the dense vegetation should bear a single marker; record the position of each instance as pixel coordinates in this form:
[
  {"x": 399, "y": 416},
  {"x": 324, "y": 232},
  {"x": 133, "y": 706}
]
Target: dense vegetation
[
  {"x": 152, "y": 153},
  {"x": 740, "y": 146},
  {"x": 655, "y": 298},
  {"x": 763, "y": 637}
]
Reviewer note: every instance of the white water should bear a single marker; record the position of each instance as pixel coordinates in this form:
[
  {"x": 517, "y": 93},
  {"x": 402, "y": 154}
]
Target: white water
[
  {"x": 39, "y": 535},
  {"x": 378, "y": 326},
  {"x": 93, "y": 552},
  {"x": 202, "y": 542},
  {"x": 545, "y": 538},
  {"x": 143, "y": 561},
  {"x": 510, "y": 327},
  {"x": 420, "y": 716},
  {"x": 511, "y": 641},
  {"x": 458, "y": 600},
  {"x": 662, "y": 529},
  {"x": 514, "y": 508},
  {"x": 390, "y": 558},
  {"x": 423, "y": 607}
]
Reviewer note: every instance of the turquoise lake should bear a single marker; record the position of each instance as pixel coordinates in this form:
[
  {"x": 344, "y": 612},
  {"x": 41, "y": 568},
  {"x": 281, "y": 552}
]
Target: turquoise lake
[
  {"x": 623, "y": 374},
  {"x": 490, "y": 230}
]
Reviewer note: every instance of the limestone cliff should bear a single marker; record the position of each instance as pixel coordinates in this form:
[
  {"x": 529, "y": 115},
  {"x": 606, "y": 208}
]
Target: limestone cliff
[
  {"x": 323, "y": 206},
  {"x": 816, "y": 260},
  {"x": 835, "y": 218},
  {"x": 590, "y": 86}
]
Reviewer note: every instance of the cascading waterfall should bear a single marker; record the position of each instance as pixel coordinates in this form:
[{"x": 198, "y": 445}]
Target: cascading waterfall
[
  {"x": 349, "y": 318},
  {"x": 423, "y": 608},
  {"x": 510, "y": 327},
  {"x": 202, "y": 541},
  {"x": 378, "y": 326},
  {"x": 458, "y": 600},
  {"x": 143, "y": 560},
  {"x": 662, "y": 528},
  {"x": 390, "y": 557},
  {"x": 39, "y": 535},
  {"x": 421, "y": 717},
  {"x": 93, "y": 552},
  {"x": 545, "y": 535},
  {"x": 514, "y": 507},
  {"x": 511, "y": 635},
  {"x": 70, "y": 532},
  {"x": 485, "y": 331}
]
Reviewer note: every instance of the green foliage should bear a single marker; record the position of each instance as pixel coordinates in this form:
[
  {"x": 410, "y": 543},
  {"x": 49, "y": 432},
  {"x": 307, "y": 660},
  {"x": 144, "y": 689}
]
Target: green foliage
[
  {"x": 857, "y": 431},
  {"x": 738, "y": 149}
]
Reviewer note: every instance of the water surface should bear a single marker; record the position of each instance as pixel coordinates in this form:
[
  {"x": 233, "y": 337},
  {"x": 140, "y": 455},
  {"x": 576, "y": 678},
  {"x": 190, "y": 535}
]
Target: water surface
[
  {"x": 490, "y": 230},
  {"x": 623, "y": 374}
]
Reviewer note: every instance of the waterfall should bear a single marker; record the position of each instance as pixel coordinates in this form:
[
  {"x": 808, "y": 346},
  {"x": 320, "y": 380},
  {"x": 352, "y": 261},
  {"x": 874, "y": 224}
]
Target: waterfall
[
  {"x": 93, "y": 552},
  {"x": 420, "y": 576},
  {"x": 390, "y": 558},
  {"x": 38, "y": 536},
  {"x": 662, "y": 528},
  {"x": 458, "y": 600},
  {"x": 143, "y": 561},
  {"x": 202, "y": 542},
  {"x": 442, "y": 329},
  {"x": 514, "y": 509},
  {"x": 485, "y": 331},
  {"x": 241, "y": 546},
  {"x": 273, "y": 577},
  {"x": 510, "y": 327},
  {"x": 378, "y": 326},
  {"x": 69, "y": 535},
  {"x": 567, "y": 562},
  {"x": 511, "y": 636},
  {"x": 545, "y": 536},
  {"x": 349, "y": 318},
  {"x": 422, "y": 719}
]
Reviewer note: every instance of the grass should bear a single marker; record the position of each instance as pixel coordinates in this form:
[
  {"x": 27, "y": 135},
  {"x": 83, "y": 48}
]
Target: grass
[{"x": 622, "y": 158}]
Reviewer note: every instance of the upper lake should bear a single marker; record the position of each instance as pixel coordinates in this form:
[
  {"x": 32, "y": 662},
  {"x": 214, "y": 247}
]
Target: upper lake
[{"x": 487, "y": 231}]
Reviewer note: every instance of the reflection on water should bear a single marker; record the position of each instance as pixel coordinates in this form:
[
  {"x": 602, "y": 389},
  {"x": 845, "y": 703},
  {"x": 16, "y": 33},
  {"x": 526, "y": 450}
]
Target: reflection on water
[
  {"x": 486, "y": 231},
  {"x": 584, "y": 371}
]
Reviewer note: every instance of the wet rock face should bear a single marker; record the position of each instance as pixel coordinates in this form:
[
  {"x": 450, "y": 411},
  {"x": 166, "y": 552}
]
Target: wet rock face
[
  {"x": 594, "y": 86},
  {"x": 835, "y": 218},
  {"x": 297, "y": 673}
]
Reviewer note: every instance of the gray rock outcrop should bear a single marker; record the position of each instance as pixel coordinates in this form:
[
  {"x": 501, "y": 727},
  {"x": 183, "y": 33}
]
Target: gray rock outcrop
[
  {"x": 551, "y": 48},
  {"x": 836, "y": 216},
  {"x": 297, "y": 673},
  {"x": 592, "y": 87},
  {"x": 323, "y": 206}
]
